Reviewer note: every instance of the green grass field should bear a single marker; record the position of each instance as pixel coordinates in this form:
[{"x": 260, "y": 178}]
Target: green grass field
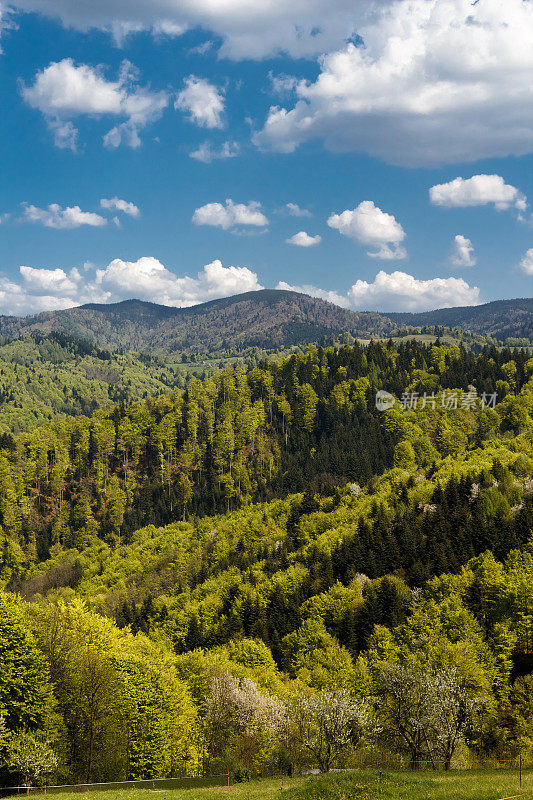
[
  {"x": 363, "y": 784},
  {"x": 423, "y": 338}
]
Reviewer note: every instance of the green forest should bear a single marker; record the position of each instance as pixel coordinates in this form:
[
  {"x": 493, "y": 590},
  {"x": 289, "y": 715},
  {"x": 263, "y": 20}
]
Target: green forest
[{"x": 259, "y": 571}]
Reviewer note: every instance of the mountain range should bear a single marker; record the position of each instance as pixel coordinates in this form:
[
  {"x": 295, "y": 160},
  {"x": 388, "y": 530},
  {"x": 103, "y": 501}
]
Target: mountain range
[{"x": 268, "y": 319}]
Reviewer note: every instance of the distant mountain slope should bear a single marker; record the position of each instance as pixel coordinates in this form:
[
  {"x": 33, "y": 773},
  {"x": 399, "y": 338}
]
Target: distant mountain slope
[
  {"x": 501, "y": 318},
  {"x": 47, "y": 377},
  {"x": 267, "y": 318}
]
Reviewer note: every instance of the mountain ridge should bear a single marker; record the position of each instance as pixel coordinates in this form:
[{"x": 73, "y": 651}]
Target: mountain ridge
[
  {"x": 268, "y": 318},
  {"x": 485, "y": 318}
]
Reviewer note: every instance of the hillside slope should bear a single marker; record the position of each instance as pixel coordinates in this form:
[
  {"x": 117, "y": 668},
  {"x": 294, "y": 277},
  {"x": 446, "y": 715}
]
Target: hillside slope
[
  {"x": 267, "y": 319},
  {"x": 47, "y": 377},
  {"x": 501, "y": 318}
]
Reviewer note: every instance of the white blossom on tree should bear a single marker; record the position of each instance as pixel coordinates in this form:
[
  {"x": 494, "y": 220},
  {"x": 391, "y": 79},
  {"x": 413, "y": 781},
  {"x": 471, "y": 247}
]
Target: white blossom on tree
[
  {"x": 424, "y": 712},
  {"x": 31, "y": 755},
  {"x": 240, "y": 715},
  {"x": 451, "y": 707},
  {"x": 325, "y": 723}
]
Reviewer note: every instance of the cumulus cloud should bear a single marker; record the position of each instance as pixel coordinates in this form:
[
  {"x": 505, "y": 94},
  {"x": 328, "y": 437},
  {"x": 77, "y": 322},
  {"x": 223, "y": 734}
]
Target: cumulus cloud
[
  {"x": 65, "y": 90},
  {"x": 371, "y": 226},
  {"x": 247, "y": 30},
  {"x": 49, "y": 281},
  {"x": 398, "y": 291},
  {"x": 15, "y": 300},
  {"x": 43, "y": 290},
  {"x": 146, "y": 279},
  {"x": 463, "y": 254},
  {"x": 116, "y": 204},
  {"x": 406, "y": 96},
  {"x": 303, "y": 239},
  {"x": 526, "y": 264},
  {"x": 207, "y": 153},
  {"x": 403, "y": 292},
  {"x": 479, "y": 190},
  {"x": 54, "y": 216},
  {"x": 203, "y": 101},
  {"x": 231, "y": 215},
  {"x": 324, "y": 294},
  {"x": 296, "y": 211}
]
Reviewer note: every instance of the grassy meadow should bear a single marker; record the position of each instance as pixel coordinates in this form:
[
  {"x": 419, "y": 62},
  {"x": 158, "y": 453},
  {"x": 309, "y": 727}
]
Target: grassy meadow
[{"x": 363, "y": 784}]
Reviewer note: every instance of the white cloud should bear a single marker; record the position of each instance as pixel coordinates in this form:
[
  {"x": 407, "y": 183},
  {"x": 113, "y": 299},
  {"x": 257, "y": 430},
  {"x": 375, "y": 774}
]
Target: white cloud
[
  {"x": 371, "y": 226},
  {"x": 526, "y": 264},
  {"x": 15, "y": 300},
  {"x": 314, "y": 291},
  {"x": 282, "y": 84},
  {"x": 146, "y": 279},
  {"x": 296, "y": 211},
  {"x": 203, "y": 101},
  {"x": 54, "y": 216},
  {"x": 43, "y": 290},
  {"x": 408, "y": 98},
  {"x": 230, "y": 215},
  {"x": 463, "y": 253},
  {"x": 206, "y": 153},
  {"x": 479, "y": 190},
  {"x": 248, "y": 30},
  {"x": 65, "y": 134},
  {"x": 398, "y": 291},
  {"x": 116, "y": 204},
  {"x": 7, "y": 21},
  {"x": 64, "y": 90},
  {"x": 303, "y": 239},
  {"x": 49, "y": 281},
  {"x": 403, "y": 292}
]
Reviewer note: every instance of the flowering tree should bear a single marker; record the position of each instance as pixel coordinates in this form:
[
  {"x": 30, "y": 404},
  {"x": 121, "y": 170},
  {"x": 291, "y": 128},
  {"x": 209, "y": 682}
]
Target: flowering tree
[
  {"x": 403, "y": 709},
  {"x": 425, "y": 711},
  {"x": 451, "y": 708},
  {"x": 240, "y": 715},
  {"x": 30, "y": 755},
  {"x": 325, "y": 723}
]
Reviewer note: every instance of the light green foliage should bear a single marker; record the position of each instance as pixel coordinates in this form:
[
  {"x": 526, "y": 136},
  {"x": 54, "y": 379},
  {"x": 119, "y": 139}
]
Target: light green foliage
[
  {"x": 43, "y": 378},
  {"x": 125, "y": 711},
  {"x": 146, "y": 649},
  {"x": 25, "y": 691}
]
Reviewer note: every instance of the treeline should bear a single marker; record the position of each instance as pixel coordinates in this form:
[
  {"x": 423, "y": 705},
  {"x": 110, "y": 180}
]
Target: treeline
[{"x": 246, "y": 435}]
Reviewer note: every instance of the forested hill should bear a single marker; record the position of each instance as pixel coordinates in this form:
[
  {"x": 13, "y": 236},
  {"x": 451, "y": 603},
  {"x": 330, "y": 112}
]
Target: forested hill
[
  {"x": 46, "y": 377},
  {"x": 268, "y": 319},
  {"x": 190, "y": 582},
  {"x": 249, "y": 435},
  {"x": 501, "y": 319},
  {"x": 265, "y": 319}
]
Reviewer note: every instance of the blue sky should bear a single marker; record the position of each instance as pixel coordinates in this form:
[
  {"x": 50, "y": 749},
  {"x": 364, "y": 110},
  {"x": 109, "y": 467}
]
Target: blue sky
[{"x": 290, "y": 147}]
